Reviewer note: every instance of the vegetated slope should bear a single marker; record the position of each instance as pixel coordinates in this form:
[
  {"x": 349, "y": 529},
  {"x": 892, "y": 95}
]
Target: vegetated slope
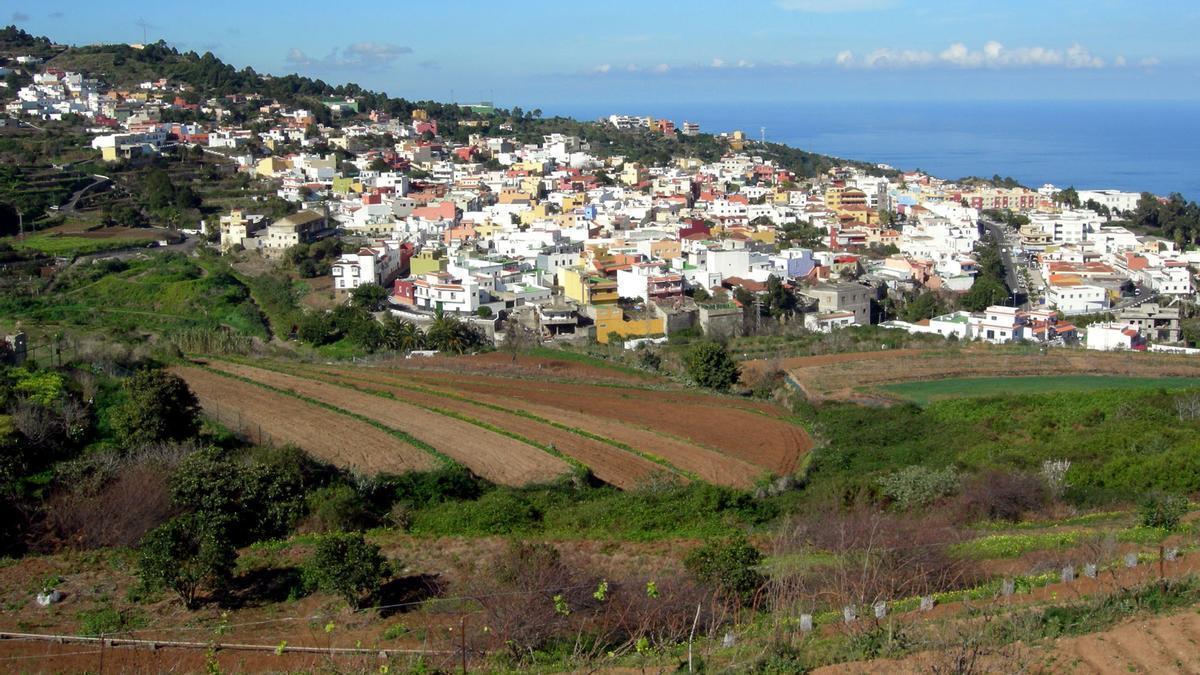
[
  {"x": 843, "y": 376},
  {"x": 284, "y": 419},
  {"x": 491, "y": 455},
  {"x": 747, "y": 430},
  {"x": 580, "y": 411}
]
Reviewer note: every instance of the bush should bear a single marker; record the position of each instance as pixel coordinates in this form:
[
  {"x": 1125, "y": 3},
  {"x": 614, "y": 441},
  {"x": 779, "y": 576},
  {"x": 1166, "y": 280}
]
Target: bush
[
  {"x": 256, "y": 499},
  {"x": 337, "y": 508},
  {"x": 1003, "y": 495},
  {"x": 728, "y": 567},
  {"x": 160, "y": 408},
  {"x": 187, "y": 554},
  {"x": 1162, "y": 510},
  {"x": 917, "y": 485},
  {"x": 710, "y": 365},
  {"x": 346, "y": 565}
]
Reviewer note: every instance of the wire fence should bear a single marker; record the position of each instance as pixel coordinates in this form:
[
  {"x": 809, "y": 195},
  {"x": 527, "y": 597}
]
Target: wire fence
[{"x": 246, "y": 428}]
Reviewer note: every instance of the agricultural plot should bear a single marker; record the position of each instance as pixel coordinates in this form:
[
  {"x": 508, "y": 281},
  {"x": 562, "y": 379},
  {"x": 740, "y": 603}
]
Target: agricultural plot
[
  {"x": 608, "y": 462},
  {"x": 588, "y": 411},
  {"x": 269, "y": 416},
  {"x": 750, "y": 431},
  {"x": 494, "y": 456},
  {"x": 932, "y": 390},
  {"x": 866, "y": 375}
]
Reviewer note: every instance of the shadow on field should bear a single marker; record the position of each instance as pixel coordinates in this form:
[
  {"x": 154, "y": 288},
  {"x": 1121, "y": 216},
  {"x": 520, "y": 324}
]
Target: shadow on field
[{"x": 408, "y": 592}]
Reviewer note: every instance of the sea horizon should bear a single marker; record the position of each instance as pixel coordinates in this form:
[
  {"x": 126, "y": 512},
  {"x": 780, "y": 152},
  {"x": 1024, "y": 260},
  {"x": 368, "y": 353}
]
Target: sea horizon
[{"x": 1115, "y": 144}]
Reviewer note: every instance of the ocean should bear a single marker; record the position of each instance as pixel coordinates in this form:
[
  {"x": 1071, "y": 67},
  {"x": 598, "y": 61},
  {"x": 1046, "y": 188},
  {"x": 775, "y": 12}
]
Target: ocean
[{"x": 1139, "y": 146}]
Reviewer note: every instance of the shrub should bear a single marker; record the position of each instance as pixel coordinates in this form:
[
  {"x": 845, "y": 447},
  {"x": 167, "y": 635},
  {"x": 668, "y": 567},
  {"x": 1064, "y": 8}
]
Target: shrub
[
  {"x": 728, "y": 567},
  {"x": 337, "y": 508},
  {"x": 1162, "y": 510},
  {"x": 917, "y": 485},
  {"x": 187, "y": 554},
  {"x": 1003, "y": 495},
  {"x": 710, "y": 365},
  {"x": 345, "y": 564},
  {"x": 160, "y": 408}
]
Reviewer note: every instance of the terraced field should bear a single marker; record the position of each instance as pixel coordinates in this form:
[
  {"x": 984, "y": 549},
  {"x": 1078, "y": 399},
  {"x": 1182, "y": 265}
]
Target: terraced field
[
  {"x": 491, "y": 455},
  {"x": 867, "y": 375},
  {"x": 529, "y": 425},
  {"x": 283, "y": 419}
]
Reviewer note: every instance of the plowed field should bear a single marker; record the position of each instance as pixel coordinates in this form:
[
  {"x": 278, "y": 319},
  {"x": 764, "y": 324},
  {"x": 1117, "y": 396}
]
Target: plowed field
[
  {"x": 583, "y": 412},
  {"x": 745, "y": 430},
  {"x": 491, "y": 455},
  {"x": 286, "y": 419}
]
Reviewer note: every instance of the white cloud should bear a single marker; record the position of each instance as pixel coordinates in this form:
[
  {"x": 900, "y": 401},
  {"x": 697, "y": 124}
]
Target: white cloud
[
  {"x": 361, "y": 55},
  {"x": 1120, "y": 62},
  {"x": 1149, "y": 62},
  {"x": 743, "y": 63},
  {"x": 718, "y": 63},
  {"x": 958, "y": 55},
  {"x": 834, "y": 6},
  {"x": 661, "y": 68},
  {"x": 602, "y": 68}
]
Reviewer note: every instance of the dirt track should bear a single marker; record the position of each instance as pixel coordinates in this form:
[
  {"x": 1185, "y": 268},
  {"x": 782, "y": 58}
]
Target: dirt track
[
  {"x": 335, "y": 438},
  {"x": 496, "y": 457}
]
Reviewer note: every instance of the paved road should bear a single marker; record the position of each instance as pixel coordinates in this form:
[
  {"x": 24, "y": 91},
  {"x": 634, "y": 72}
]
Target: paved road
[
  {"x": 1006, "y": 240},
  {"x": 97, "y": 181}
]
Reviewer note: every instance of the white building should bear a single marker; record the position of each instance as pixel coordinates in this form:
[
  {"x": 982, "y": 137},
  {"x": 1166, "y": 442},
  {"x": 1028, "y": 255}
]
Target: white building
[
  {"x": 1109, "y": 337},
  {"x": 378, "y": 264},
  {"x": 1077, "y": 299}
]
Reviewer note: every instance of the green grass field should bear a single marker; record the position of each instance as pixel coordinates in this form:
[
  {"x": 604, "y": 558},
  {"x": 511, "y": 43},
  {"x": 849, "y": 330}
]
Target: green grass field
[
  {"x": 53, "y": 244},
  {"x": 926, "y": 392}
]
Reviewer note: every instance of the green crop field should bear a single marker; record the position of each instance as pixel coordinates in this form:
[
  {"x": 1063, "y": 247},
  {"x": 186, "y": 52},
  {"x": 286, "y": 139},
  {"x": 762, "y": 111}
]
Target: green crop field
[
  {"x": 53, "y": 244},
  {"x": 933, "y": 390}
]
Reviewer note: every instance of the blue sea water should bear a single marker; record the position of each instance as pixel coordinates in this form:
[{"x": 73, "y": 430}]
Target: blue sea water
[{"x": 1141, "y": 146}]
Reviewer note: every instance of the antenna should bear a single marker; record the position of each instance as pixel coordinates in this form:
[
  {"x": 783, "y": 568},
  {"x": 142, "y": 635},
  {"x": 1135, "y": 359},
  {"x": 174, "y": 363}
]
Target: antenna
[
  {"x": 144, "y": 25},
  {"x": 762, "y": 131}
]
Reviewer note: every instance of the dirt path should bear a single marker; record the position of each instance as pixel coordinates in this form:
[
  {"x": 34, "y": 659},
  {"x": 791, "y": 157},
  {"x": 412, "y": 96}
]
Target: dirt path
[
  {"x": 610, "y": 464},
  {"x": 491, "y": 455},
  {"x": 335, "y": 438}
]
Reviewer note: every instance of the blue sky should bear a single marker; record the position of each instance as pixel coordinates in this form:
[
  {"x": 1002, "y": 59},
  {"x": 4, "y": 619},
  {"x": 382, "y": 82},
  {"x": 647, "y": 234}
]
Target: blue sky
[{"x": 538, "y": 53}]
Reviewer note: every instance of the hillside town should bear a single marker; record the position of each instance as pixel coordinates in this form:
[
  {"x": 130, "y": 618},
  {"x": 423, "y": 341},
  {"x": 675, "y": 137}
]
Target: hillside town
[{"x": 575, "y": 243}]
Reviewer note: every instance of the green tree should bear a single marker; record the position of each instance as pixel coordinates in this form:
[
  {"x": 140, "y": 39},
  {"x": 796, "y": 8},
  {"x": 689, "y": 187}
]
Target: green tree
[
  {"x": 728, "y": 566},
  {"x": 371, "y": 297},
  {"x": 400, "y": 335},
  {"x": 187, "y": 554},
  {"x": 345, "y": 564},
  {"x": 710, "y": 365},
  {"x": 925, "y": 306},
  {"x": 160, "y": 407},
  {"x": 779, "y": 301},
  {"x": 985, "y": 292}
]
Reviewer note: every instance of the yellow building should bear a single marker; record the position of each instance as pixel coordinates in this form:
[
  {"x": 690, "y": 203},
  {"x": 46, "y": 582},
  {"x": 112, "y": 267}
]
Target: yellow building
[
  {"x": 587, "y": 288},
  {"x": 269, "y": 166},
  {"x": 427, "y": 261},
  {"x": 344, "y": 185},
  {"x": 738, "y": 141},
  {"x": 611, "y": 319},
  {"x": 419, "y": 115}
]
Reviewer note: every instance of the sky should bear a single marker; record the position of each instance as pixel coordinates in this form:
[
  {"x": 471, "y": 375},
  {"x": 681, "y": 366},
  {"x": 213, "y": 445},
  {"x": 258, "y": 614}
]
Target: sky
[{"x": 551, "y": 54}]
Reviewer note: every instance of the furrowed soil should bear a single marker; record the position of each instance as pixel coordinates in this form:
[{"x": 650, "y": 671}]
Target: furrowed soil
[
  {"x": 493, "y": 456},
  {"x": 579, "y": 412},
  {"x": 282, "y": 419},
  {"x": 610, "y": 464},
  {"x": 747, "y": 430}
]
